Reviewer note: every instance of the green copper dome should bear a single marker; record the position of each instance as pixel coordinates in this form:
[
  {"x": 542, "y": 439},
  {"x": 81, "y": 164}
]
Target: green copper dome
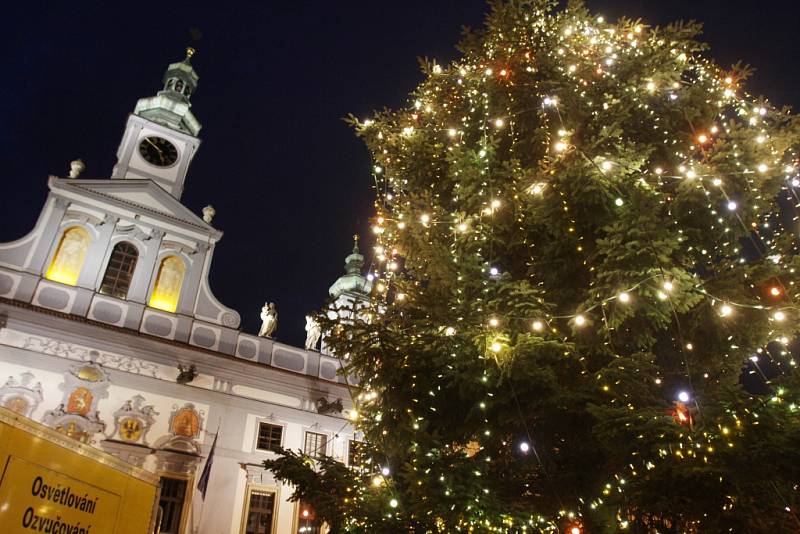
[
  {"x": 352, "y": 282},
  {"x": 170, "y": 107}
]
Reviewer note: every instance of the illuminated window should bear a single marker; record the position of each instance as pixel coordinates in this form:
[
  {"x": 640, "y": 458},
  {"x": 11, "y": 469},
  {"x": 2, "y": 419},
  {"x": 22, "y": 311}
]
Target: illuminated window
[
  {"x": 69, "y": 256},
  {"x": 307, "y": 519},
  {"x": 119, "y": 271},
  {"x": 168, "y": 284}
]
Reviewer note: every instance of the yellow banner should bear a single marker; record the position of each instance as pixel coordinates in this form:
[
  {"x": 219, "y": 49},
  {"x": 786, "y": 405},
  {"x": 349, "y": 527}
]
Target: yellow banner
[
  {"x": 38, "y": 499},
  {"x": 51, "y": 483}
]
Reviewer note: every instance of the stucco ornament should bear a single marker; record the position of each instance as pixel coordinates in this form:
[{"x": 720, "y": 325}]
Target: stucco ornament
[
  {"x": 313, "y": 333},
  {"x": 269, "y": 320}
]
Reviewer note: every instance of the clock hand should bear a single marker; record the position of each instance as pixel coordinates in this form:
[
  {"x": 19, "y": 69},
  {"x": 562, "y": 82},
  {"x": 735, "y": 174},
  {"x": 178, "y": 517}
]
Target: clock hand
[{"x": 154, "y": 146}]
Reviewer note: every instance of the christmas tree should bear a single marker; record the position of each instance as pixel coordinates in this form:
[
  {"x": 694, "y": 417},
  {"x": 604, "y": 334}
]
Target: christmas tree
[{"x": 584, "y": 243}]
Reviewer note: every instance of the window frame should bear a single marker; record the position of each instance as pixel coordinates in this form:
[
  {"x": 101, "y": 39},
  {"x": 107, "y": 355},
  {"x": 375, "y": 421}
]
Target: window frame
[
  {"x": 324, "y": 435},
  {"x": 121, "y": 242},
  {"x": 260, "y": 488},
  {"x": 187, "y": 496},
  {"x": 259, "y": 422}
]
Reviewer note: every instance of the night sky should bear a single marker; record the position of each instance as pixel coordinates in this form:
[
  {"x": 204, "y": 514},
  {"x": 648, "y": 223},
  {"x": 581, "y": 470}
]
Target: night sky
[{"x": 290, "y": 182}]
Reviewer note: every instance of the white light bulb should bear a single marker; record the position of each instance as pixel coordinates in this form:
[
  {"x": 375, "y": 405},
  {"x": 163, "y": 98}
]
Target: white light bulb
[
  {"x": 763, "y": 168},
  {"x": 683, "y": 396},
  {"x": 524, "y": 447},
  {"x": 619, "y": 202},
  {"x": 494, "y": 271},
  {"x": 732, "y": 205},
  {"x": 496, "y": 347},
  {"x": 725, "y": 310},
  {"x": 493, "y": 322},
  {"x": 624, "y": 297},
  {"x": 779, "y": 316},
  {"x": 499, "y": 123},
  {"x": 606, "y": 165},
  {"x": 668, "y": 286},
  {"x": 538, "y": 326},
  {"x": 385, "y": 471},
  {"x": 425, "y": 218},
  {"x": 393, "y": 503},
  {"x": 580, "y": 320}
]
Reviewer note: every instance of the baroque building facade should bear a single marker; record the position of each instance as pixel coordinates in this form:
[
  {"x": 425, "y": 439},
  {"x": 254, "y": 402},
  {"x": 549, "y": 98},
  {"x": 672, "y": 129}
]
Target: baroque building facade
[{"x": 109, "y": 333}]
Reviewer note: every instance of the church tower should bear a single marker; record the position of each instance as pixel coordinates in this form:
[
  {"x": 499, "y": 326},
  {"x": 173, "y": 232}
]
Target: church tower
[{"x": 160, "y": 137}]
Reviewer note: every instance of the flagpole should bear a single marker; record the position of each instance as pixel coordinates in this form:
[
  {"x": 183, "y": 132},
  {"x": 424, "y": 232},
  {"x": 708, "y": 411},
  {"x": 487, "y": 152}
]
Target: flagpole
[{"x": 207, "y": 476}]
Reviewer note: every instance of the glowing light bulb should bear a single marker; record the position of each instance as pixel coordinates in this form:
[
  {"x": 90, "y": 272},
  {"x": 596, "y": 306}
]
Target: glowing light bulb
[
  {"x": 606, "y": 165},
  {"x": 393, "y": 503},
  {"x": 494, "y": 271},
  {"x": 496, "y": 347},
  {"x": 575, "y": 530},
  {"x": 493, "y": 322},
  {"x": 651, "y": 86},
  {"x": 560, "y": 146},
  {"x": 659, "y": 171},
  {"x": 425, "y": 218},
  {"x": 702, "y": 139},
  {"x": 580, "y": 320},
  {"x": 763, "y": 168},
  {"x": 668, "y": 286},
  {"x": 449, "y": 331},
  {"x": 725, "y": 310},
  {"x": 462, "y": 227},
  {"x": 683, "y": 396},
  {"x": 499, "y": 123},
  {"x": 619, "y": 202},
  {"x": 775, "y": 291},
  {"x": 779, "y": 316},
  {"x": 732, "y": 205},
  {"x": 537, "y": 189},
  {"x": 524, "y": 447},
  {"x": 385, "y": 471},
  {"x": 496, "y": 203},
  {"x": 537, "y": 326},
  {"x": 452, "y": 132},
  {"x": 691, "y": 174},
  {"x": 717, "y": 182},
  {"x": 377, "y": 481},
  {"x": 624, "y": 297}
]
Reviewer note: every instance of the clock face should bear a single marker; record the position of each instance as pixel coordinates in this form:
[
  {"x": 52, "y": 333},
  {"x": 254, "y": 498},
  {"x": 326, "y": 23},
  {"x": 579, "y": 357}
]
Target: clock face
[{"x": 158, "y": 151}]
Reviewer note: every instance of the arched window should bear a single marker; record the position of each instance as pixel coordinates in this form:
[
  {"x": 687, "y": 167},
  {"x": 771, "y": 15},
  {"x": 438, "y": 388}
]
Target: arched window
[
  {"x": 167, "y": 290},
  {"x": 119, "y": 271},
  {"x": 68, "y": 259}
]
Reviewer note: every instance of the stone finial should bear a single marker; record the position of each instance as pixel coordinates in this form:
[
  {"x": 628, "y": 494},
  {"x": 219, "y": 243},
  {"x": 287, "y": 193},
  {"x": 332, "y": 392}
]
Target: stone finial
[
  {"x": 76, "y": 168},
  {"x": 208, "y": 213}
]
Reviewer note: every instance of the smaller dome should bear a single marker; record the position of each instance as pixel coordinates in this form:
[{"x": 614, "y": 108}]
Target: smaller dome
[{"x": 352, "y": 282}]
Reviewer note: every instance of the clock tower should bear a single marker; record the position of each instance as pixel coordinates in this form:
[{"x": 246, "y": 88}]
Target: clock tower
[{"x": 160, "y": 137}]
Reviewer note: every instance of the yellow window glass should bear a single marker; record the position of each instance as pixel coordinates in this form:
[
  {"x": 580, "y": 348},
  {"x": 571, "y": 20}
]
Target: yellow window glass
[
  {"x": 69, "y": 256},
  {"x": 167, "y": 290}
]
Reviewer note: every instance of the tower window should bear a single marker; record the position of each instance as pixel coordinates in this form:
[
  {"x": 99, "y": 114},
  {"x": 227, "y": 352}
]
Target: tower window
[
  {"x": 167, "y": 289},
  {"x": 68, "y": 259},
  {"x": 119, "y": 271}
]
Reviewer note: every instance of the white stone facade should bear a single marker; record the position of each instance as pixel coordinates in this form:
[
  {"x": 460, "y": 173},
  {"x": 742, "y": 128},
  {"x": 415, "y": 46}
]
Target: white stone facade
[{"x": 82, "y": 357}]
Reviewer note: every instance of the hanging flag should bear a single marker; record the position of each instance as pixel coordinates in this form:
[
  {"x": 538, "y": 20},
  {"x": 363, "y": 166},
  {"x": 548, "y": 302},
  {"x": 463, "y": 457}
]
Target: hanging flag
[{"x": 202, "y": 483}]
